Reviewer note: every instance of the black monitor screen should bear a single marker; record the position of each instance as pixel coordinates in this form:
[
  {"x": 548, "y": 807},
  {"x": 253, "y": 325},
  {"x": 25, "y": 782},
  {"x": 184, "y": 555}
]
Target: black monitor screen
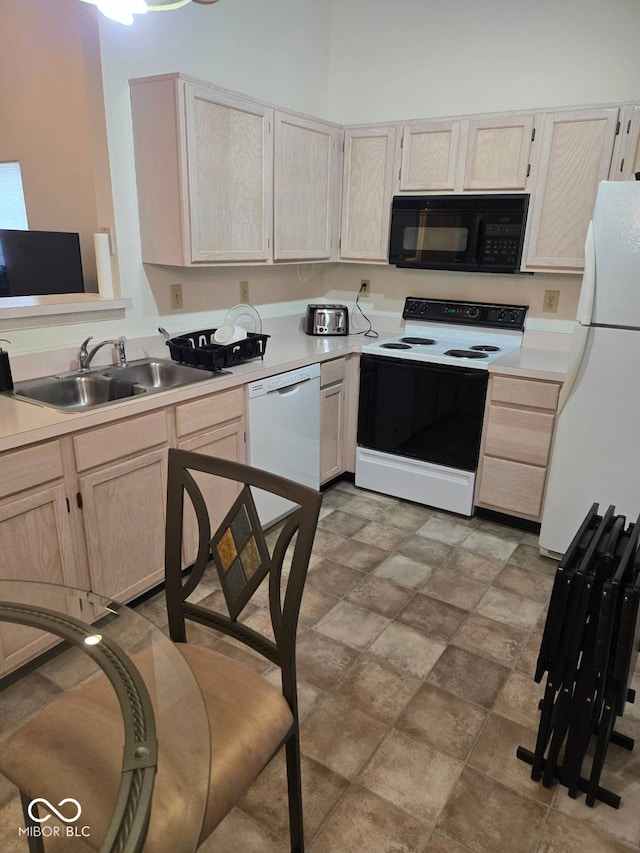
[{"x": 35, "y": 263}]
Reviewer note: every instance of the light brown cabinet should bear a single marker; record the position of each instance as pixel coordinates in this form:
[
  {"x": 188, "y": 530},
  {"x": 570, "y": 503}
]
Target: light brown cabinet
[
  {"x": 122, "y": 470},
  {"x": 215, "y": 426},
  {"x": 575, "y": 152},
  {"x": 429, "y": 156},
  {"x": 516, "y": 443},
  {"x": 626, "y": 155},
  {"x": 306, "y": 188},
  {"x": 332, "y": 409},
  {"x": 367, "y": 188},
  {"x": 36, "y": 536}
]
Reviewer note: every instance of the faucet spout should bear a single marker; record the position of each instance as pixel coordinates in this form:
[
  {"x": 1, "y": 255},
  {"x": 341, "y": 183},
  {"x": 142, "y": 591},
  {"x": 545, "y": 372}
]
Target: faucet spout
[{"x": 85, "y": 356}]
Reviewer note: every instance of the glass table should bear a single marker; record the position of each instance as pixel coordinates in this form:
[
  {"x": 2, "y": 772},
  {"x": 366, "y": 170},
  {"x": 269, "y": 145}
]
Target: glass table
[{"x": 143, "y": 704}]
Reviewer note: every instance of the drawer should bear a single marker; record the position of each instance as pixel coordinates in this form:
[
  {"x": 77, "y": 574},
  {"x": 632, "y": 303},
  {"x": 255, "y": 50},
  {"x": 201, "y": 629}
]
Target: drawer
[
  {"x": 517, "y": 434},
  {"x": 532, "y": 393},
  {"x": 332, "y": 371},
  {"x": 209, "y": 411},
  {"x": 24, "y": 469},
  {"x": 512, "y": 487},
  {"x": 119, "y": 440}
]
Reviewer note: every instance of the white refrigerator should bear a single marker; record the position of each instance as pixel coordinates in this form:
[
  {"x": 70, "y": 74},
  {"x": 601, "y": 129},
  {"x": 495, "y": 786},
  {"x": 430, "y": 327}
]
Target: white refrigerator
[{"x": 596, "y": 447}]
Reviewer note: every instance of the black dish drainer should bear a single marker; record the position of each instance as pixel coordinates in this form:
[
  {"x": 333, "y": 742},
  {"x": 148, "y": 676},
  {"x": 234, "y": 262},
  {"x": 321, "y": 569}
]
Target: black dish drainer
[{"x": 198, "y": 349}]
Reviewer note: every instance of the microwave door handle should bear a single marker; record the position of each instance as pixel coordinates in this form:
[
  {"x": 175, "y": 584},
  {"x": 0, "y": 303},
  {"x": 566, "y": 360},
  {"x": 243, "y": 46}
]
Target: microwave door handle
[{"x": 477, "y": 220}]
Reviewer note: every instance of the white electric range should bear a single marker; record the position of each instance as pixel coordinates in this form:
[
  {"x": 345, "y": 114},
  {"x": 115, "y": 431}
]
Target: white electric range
[{"x": 422, "y": 399}]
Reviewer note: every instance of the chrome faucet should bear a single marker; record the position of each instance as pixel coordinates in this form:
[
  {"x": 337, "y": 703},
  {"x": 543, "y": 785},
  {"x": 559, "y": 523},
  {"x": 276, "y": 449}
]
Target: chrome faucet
[{"x": 85, "y": 356}]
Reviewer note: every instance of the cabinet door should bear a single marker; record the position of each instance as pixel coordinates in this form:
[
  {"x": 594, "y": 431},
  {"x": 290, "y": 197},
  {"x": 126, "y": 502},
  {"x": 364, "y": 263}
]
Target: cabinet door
[
  {"x": 366, "y": 193},
  {"x": 429, "y": 156},
  {"x": 225, "y": 442},
  {"x": 306, "y": 185},
  {"x": 627, "y": 162},
  {"x": 331, "y": 430},
  {"x": 576, "y": 150},
  {"x": 37, "y": 544},
  {"x": 229, "y": 143},
  {"x": 124, "y": 513},
  {"x": 498, "y": 153},
  {"x": 512, "y": 487}
]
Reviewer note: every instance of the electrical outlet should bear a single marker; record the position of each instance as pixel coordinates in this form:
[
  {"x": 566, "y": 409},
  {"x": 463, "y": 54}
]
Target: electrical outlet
[
  {"x": 364, "y": 286},
  {"x": 244, "y": 291},
  {"x": 176, "y": 296},
  {"x": 551, "y": 299}
]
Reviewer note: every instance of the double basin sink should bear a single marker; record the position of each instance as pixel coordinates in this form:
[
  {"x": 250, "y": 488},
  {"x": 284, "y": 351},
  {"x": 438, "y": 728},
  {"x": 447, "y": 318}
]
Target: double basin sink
[{"x": 82, "y": 391}]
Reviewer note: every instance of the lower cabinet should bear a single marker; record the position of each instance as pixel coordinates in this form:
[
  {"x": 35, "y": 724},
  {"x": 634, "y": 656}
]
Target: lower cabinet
[
  {"x": 516, "y": 444},
  {"x": 339, "y": 379},
  {"x": 37, "y": 540},
  {"x": 214, "y": 426},
  {"x": 122, "y": 475}
]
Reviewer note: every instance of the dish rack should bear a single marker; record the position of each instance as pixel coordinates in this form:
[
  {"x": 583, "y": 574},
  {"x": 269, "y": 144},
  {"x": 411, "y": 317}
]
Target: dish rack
[{"x": 197, "y": 349}]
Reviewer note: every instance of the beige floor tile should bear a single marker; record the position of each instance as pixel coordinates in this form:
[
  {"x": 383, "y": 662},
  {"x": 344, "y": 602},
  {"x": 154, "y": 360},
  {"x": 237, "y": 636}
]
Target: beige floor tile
[
  {"x": 407, "y": 649},
  {"x": 333, "y": 578},
  {"x": 412, "y": 775},
  {"x": 529, "y": 557},
  {"x": 380, "y": 595},
  {"x": 407, "y": 516},
  {"x": 425, "y": 550},
  {"x": 512, "y": 609},
  {"x": 363, "y": 822},
  {"x": 519, "y": 699},
  {"x": 530, "y": 584},
  {"x": 562, "y": 834},
  {"x": 443, "y": 720},
  {"x": 488, "y": 817},
  {"x": 350, "y": 624},
  {"x": 267, "y": 802},
  {"x": 433, "y": 618},
  {"x": 315, "y": 604},
  {"x": 341, "y": 736},
  {"x": 447, "y": 585},
  {"x": 344, "y": 523},
  {"x": 24, "y": 697},
  {"x": 377, "y": 689},
  {"x": 475, "y": 566},
  {"x": 368, "y": 507},
  {"x": 491, "y": 639},
  {"x": 529, "y": 656},
  {"x": 439, "y": 843},
  {"x": 404, "y": 571},
  {"x": 358, "y": 555},
  {"x": 495, "y": 755},
  {"x": 489, "y": 545},
  {"x": 240, "y": 832},
  {"x": 469, "y": 676},
  {"x": 502, "y": 531},
  {"x": 622, "y": 824},
  {"x": 383, "y": 536},
  {"x": 325, "y": 542},
  {"x": 445, "y": 530},
  {"x": 67, "y": 669},
  {"x": 335, "y": 498},
  {"x": 322, "y": 661}
]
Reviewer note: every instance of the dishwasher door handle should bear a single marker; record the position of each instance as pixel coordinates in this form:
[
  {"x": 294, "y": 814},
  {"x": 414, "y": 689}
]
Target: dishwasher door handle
[{"x": 290, "y": 389}]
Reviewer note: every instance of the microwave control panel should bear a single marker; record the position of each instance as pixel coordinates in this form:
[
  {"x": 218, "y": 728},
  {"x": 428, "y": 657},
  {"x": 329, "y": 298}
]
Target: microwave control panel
[
  {"x": 501, "y": 243},
  {"x": 467, "y": 313}
]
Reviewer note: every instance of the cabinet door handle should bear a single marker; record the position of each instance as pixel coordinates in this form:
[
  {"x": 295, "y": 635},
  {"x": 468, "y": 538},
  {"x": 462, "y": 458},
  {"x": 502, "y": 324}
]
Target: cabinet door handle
[{"x": 79, "y": 500}]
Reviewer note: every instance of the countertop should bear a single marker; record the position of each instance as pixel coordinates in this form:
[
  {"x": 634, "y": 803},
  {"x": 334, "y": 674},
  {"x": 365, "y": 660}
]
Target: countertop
[{"x": 23, "y": 423}]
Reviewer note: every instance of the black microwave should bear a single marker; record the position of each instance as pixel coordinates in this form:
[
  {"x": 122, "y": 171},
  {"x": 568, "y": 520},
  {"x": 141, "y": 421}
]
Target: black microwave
[{"x": 469, "y": 233}]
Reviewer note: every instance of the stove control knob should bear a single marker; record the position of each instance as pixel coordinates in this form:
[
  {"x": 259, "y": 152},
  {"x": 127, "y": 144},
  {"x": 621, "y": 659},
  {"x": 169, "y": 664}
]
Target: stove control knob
[
  {"x": 502, "y": 314},
  {"x": 473, "y": 312}
]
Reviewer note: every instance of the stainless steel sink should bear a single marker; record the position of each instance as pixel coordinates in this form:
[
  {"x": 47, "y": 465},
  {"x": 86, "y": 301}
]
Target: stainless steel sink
[{"x": 77, "y": 392}]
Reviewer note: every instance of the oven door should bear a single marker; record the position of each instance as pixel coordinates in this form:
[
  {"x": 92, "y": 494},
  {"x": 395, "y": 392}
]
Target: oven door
[
  {"x": 424, "y": 411},
  {"x": 435, "y": 239}
]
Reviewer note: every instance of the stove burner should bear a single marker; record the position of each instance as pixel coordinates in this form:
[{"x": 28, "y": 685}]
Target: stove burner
[
  {"x": 485, "y": 348},
  {"x": 466, "y": 353},
  {"x": 423, "y": 341},
  {"x": 394, "y": 346}
]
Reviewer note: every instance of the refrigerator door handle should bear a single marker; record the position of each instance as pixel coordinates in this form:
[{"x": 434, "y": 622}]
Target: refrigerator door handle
[{"x": 584, "y": 314}]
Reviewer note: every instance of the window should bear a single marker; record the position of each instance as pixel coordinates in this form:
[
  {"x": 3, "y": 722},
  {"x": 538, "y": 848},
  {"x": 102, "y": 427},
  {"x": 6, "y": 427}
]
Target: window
[{"x": 13, "y": 213}]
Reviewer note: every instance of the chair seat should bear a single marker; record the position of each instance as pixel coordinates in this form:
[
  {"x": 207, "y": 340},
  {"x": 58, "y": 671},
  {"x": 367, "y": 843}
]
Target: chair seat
[{"x": 56, "y": 753}]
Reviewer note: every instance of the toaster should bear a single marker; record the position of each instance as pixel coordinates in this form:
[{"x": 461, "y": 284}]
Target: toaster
[{"x": 327, "y": 320}]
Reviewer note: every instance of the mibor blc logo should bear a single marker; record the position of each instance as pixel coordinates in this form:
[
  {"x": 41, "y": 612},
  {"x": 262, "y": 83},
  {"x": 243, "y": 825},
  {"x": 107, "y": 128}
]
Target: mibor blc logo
[{"x": 67, "y": 814}]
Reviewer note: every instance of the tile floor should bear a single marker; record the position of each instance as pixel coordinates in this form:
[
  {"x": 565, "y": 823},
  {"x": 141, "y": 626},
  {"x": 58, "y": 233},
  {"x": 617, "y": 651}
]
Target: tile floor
[{"x": 418, "y": 638}]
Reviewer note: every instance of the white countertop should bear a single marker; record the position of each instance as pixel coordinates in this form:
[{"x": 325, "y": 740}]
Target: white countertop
[{"x": 23, "y": 423}]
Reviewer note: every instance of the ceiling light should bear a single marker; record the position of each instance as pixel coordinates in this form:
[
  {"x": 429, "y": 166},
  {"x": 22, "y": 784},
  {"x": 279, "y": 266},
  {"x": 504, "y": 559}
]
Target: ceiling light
[{"x": 123, "y": 11}]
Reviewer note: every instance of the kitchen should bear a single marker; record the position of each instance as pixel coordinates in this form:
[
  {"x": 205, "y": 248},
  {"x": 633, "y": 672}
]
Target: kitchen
[{"x": 349, "y": 87}]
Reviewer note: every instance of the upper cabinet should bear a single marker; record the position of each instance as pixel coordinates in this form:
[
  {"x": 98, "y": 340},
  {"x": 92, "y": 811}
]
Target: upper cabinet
[
  {"x": 367, "y": 187},
  {"x": 575, "y": 155},
  {"x": 626, "y": 155},
  {"x": 216, "y": 185},
  {"x": 306, "y": 186},
  {"x": 466, "y": 155}
]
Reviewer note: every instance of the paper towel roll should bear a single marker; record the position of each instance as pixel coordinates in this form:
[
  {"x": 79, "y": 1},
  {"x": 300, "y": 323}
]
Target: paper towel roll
[{"x": 103, "y": 265}]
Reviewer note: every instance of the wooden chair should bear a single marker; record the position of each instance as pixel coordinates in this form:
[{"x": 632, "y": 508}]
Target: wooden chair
[{"x": 249, "y": 719}]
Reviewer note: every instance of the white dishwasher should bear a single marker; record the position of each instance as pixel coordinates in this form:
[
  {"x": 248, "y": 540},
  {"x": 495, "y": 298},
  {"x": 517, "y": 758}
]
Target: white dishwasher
[{"x": 283, "y": 433}]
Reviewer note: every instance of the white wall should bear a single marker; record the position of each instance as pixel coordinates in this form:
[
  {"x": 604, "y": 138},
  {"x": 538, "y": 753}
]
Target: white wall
[{"x": 395, "y": 59}]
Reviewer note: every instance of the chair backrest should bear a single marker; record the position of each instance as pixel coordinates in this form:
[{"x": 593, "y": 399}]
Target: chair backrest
[{"x": 239, "y": 551}]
